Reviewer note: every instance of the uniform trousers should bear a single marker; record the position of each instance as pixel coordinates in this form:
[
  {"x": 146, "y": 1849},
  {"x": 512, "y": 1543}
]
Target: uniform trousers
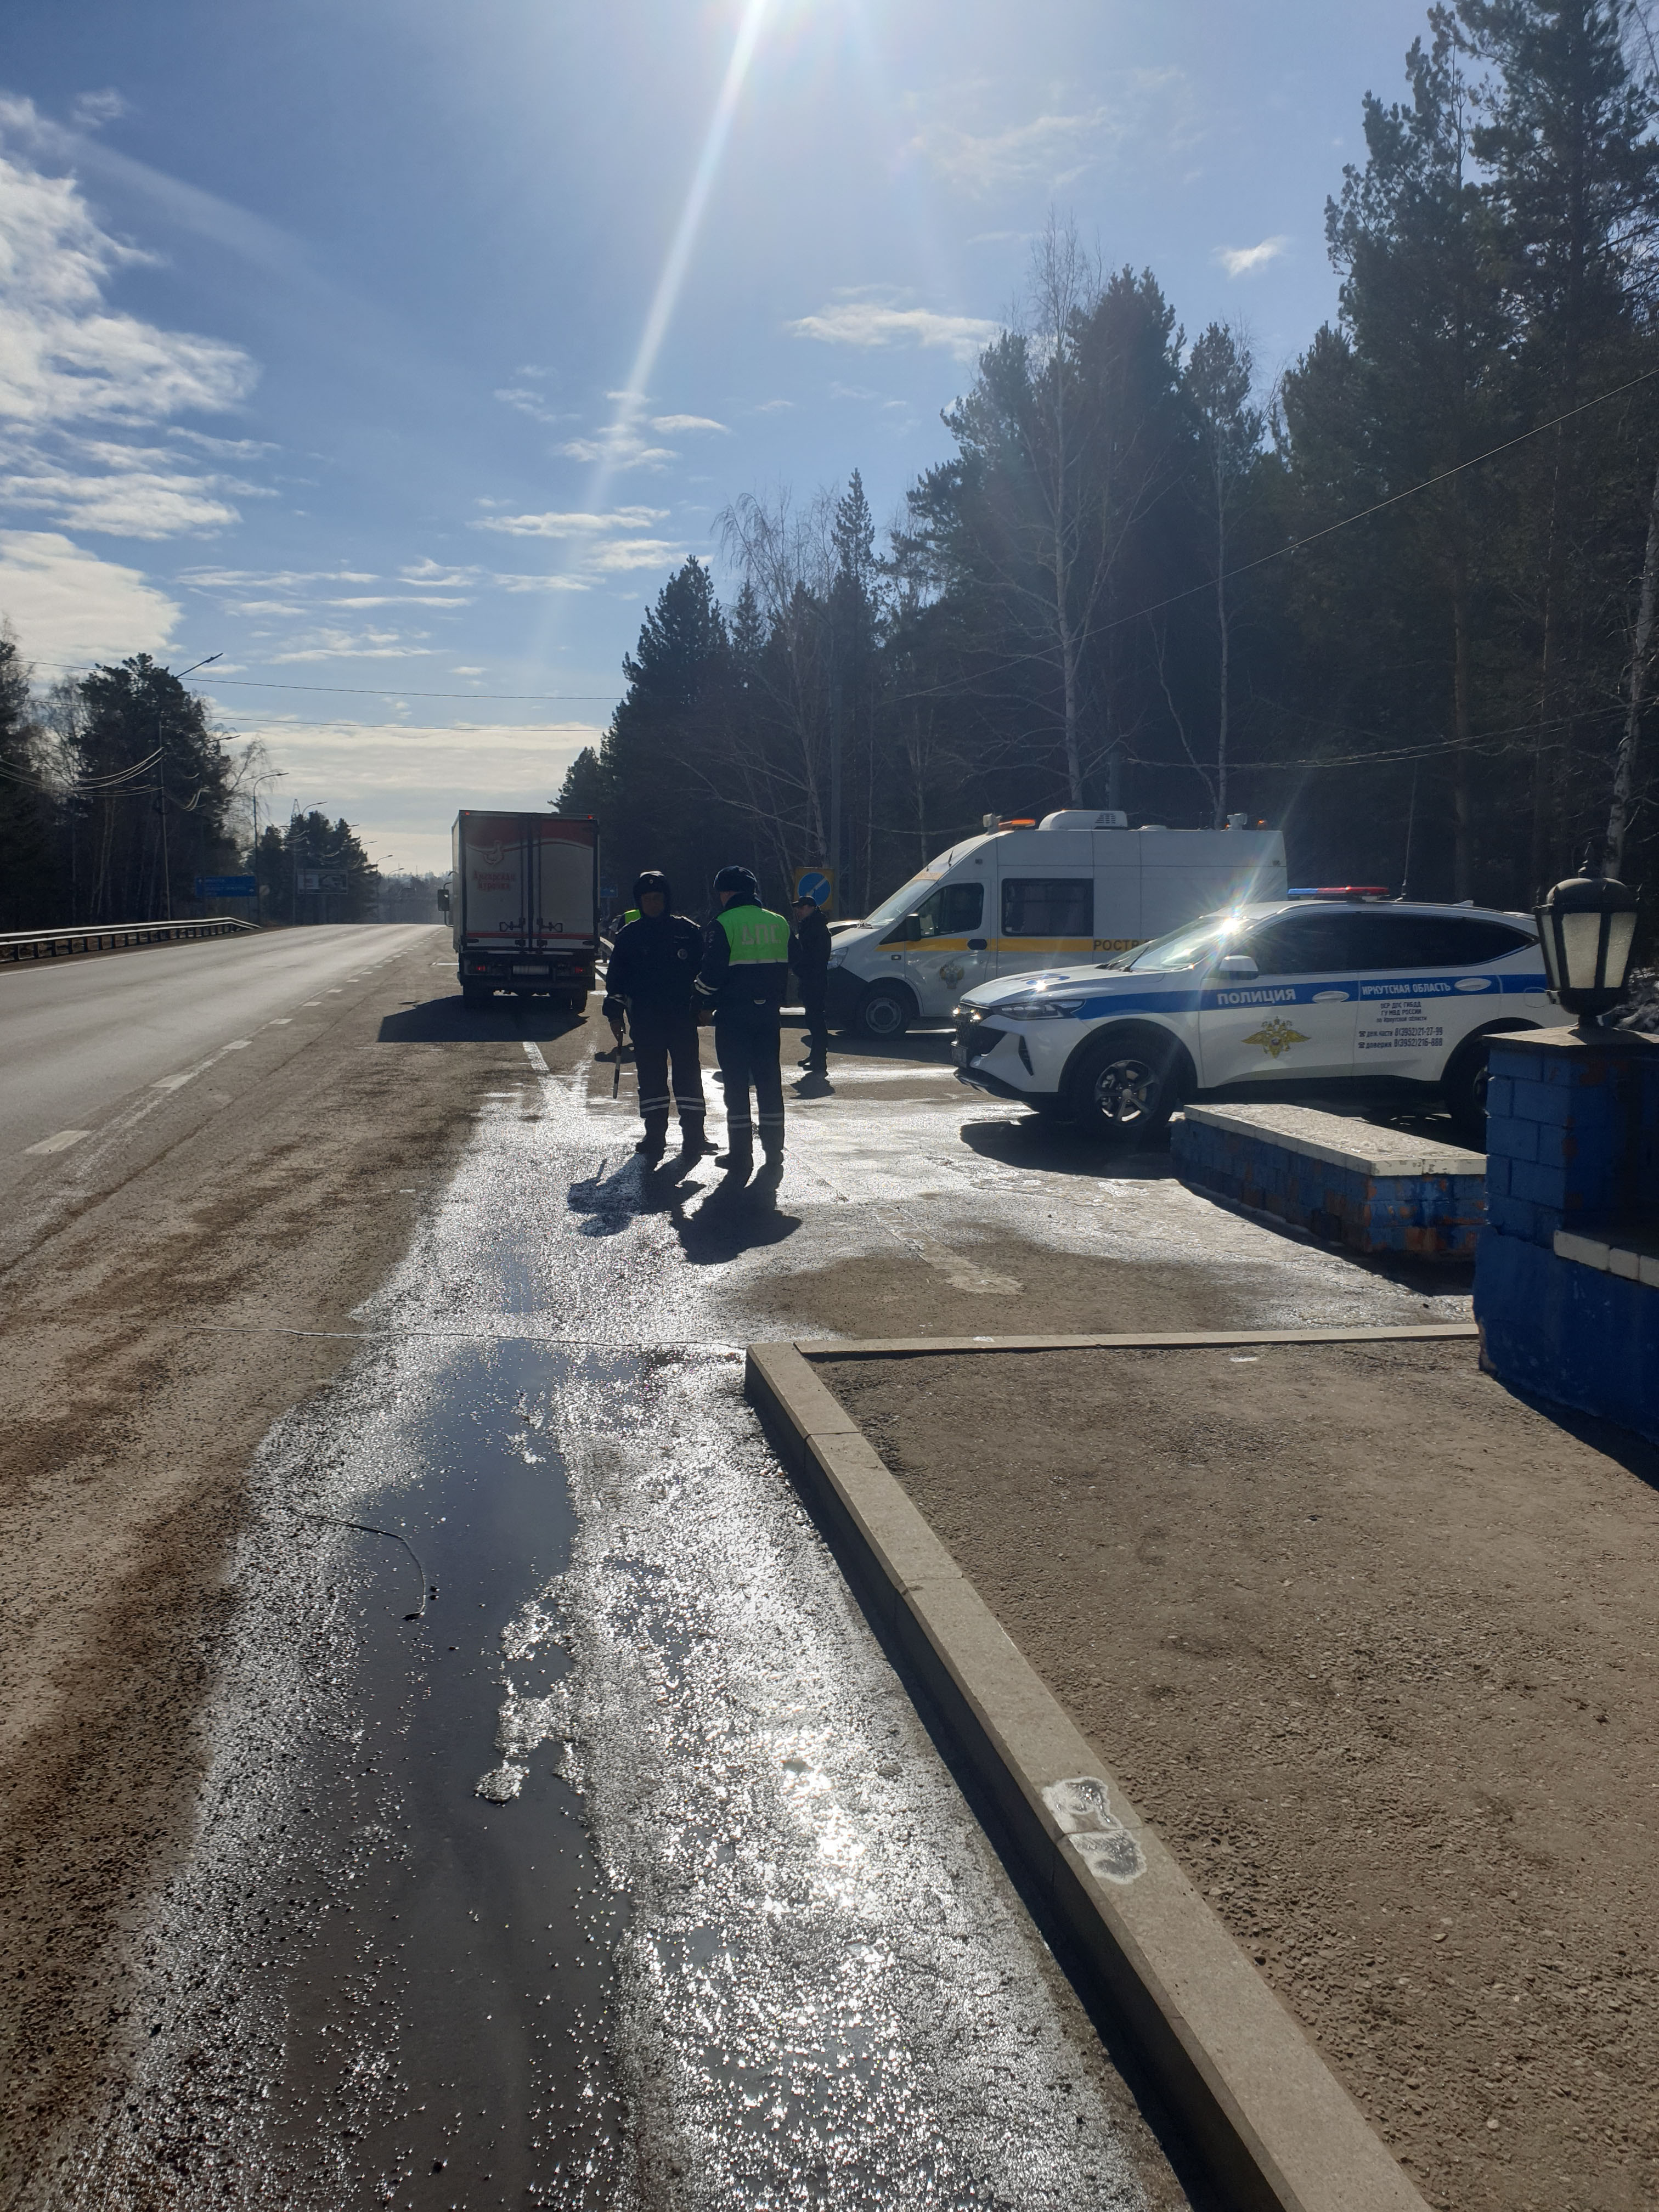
[
  {"x": 746, "y": 1044},
  {"x": 814, "y": 982},
  {"x": 660, "y": 1036}
]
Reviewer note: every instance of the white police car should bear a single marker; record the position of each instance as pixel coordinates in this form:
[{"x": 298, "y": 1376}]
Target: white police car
[{"x": 1319, "y": 991}]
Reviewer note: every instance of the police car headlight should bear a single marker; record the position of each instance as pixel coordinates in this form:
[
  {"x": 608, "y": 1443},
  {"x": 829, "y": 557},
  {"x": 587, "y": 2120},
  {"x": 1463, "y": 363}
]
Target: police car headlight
[{"x": 1035, "y": 1010}]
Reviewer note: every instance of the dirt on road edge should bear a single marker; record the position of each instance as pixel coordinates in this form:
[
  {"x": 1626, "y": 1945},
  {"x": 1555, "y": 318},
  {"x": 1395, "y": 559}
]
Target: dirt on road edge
[{"x": 150, "y": 1343}]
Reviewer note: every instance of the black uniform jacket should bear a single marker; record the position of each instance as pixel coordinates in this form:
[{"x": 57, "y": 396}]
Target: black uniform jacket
[
  {"x": 809, "y": 945},
  {"x": 654, "y": 966}
]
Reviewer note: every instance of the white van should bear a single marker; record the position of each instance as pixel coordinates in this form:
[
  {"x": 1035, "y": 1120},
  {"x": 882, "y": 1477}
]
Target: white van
[{"x": 1076, "y": 883}]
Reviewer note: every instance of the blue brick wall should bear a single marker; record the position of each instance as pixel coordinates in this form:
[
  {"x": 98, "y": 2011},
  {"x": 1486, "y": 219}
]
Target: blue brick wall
[{"x": 1568, "y": 1333}]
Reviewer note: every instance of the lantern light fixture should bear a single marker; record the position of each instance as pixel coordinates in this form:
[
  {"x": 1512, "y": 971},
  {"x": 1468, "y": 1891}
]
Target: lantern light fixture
[{"x": 1586, "y": 926}]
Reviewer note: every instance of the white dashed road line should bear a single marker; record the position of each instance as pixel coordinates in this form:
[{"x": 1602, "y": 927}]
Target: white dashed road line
[{"x": 60, "y": 1142}]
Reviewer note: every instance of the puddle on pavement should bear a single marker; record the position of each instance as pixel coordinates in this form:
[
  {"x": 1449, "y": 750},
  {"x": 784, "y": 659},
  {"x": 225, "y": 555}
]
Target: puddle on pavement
[{"x": 447, "y": 1999}]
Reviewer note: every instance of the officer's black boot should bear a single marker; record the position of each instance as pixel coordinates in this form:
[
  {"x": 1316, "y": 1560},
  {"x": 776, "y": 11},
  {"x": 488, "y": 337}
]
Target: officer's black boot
[
  {"x": 655, "y": 1143},
  {"x": 737, "y": 1158},
  {"x": 694, "y": 1137},
  {"x": 771, "y": 1174}
]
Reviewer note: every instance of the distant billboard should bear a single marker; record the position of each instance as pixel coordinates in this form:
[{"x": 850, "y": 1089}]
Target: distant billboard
[
  {"x": 212, "y": 887},
  {"x": 322, "y": 880}
]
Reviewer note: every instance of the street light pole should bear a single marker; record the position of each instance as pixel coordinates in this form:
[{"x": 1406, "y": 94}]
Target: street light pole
[{"x": 161, "y": 773}]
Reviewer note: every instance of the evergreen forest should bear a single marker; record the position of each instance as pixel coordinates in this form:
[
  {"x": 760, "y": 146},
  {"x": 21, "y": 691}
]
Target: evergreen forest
[{"x": 1399, "y": 602}]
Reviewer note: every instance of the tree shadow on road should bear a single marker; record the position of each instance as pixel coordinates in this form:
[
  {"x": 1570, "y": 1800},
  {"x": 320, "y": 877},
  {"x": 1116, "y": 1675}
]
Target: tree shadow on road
[{"x": 450, "y": 1020}]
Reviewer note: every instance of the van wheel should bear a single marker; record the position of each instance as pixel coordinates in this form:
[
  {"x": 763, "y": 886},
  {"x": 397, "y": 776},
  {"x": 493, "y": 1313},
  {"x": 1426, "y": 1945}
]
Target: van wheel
[
  {"x": 1125, "y": 1087},
  {"x": 885, "y": 1011}
]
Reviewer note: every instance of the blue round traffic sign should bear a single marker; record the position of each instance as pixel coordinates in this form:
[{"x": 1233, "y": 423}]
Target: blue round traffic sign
[{"x": 810, "y": 884}]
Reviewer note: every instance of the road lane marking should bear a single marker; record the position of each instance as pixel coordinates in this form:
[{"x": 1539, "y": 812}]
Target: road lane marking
[
  {"x": 174, "y": 1082},
  {"x": 60, "y": 1142},
  {"x": 280, "y": 1023},
  {"x": 532, "y": 1053},
  {"x": 237, "y": 1044}
]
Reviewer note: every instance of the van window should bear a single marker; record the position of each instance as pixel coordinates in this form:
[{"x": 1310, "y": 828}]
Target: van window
[
  {"x": 1048, "y": 906},
  {"x": 954, "y": 910}
]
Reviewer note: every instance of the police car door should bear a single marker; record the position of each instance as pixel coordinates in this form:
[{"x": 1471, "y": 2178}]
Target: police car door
[
  {"x": 947, "y": 951},
  {"x": 1411, "y": 1017},
  {"x": 1294, "y": 1017}
]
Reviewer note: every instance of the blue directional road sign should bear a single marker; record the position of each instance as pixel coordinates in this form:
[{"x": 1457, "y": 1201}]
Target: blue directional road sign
[
  {"x": 816, "y": 883},
  {"x": 225, "y": 886}
]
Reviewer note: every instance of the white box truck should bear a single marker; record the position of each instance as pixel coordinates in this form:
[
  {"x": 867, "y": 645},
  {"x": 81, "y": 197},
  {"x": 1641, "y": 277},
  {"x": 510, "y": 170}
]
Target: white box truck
[
  {"x": 1031, "y": 896},
  {"x": 524, "y": 906}
]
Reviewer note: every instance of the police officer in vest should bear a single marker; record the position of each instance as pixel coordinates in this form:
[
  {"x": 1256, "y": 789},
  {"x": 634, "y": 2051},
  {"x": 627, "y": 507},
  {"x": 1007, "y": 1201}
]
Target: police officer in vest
[
  {"x": 653, "y": 968},
  {"x": 745, "y": 963}
]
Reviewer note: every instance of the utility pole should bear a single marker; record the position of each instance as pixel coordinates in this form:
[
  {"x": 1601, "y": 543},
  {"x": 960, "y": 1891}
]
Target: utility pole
[
  {"x": 162, "y": 771},
  {"x": 834, "y": 774}
]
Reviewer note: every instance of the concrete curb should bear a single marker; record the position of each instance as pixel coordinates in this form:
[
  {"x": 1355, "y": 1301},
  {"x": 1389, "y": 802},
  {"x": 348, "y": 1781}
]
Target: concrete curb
[{"x": 1272, "y": 2123}]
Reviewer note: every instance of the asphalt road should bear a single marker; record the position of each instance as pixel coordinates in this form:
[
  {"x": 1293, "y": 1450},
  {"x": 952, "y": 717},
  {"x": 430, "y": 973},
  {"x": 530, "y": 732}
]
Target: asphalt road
[
  {"x": 626, "y": 1873},
  {"x": 79, "y": 1038}
]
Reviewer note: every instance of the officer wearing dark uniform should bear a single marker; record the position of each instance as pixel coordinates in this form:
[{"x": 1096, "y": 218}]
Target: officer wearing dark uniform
[
  {"x": 745, "y": 962},
  {"x": 809, "y": 956},
  {"x": 653, "y": 968}
]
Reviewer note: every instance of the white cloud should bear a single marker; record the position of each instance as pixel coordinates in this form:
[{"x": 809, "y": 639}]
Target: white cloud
[
  {"x": 65, "y": 356},
  {"x": 865, "y": 324},
  {"x": 618, "y": 448},
  {"x": 92, "y": 110},
  {"x": 75, "y": 371},
  {"x": 403, "y": 786},
  {"x": 1245, "y": 260},
  {"x": 66, "y": 604},
  {"x": 468, "y": 672},
  {"x": 668, "y": 424},
  {"x": 775, "y": 407},
  {"x": 532, "y": 403},
  {"x": 1051, "y": 149},
  {"x": 328, "y": 644},
  {"x": 572, "y": 524}
]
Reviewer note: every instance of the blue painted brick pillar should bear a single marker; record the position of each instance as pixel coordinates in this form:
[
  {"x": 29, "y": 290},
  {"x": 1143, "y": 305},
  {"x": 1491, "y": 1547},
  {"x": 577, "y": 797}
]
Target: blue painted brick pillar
[{"x": 1572, "y": 1167}]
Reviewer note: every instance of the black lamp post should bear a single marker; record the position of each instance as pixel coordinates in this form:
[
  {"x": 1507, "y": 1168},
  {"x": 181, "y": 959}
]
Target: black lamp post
[{"x": 1586, "y": 926}]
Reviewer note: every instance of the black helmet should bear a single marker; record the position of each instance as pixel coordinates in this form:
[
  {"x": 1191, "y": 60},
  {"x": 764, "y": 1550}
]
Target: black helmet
[
  {"x": 742, "y": 881},
  {"x": 652, "y": 880}
]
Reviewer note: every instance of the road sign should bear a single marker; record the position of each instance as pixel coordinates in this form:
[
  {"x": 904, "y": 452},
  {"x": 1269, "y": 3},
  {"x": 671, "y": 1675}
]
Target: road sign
[
  {"x": 209, "y": 887},
  {"x": 816, "y": 883},
  {"x": 322, "y": 880}
]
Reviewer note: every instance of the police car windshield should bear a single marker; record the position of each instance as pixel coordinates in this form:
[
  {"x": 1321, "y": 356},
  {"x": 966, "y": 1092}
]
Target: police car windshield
[
  {"x": 906, "y": 897},
  {"x": 1191, "y": 947}
]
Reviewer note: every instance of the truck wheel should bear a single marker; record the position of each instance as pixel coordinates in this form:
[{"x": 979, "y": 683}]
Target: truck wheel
[
  {"x": 477, "y": 995},
  {"x": 885, "y": 1011},
  {"x": 1124, "y": 1087},
  {"x": 574, "y": 1002}
]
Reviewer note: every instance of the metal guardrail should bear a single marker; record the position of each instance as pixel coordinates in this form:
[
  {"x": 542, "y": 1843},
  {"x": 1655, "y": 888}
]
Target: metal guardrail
[{"x": 117, "y": 937}]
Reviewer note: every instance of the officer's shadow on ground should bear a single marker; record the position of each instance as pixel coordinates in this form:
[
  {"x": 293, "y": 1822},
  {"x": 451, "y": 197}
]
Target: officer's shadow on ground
[{"x": 716, "y": 1218}]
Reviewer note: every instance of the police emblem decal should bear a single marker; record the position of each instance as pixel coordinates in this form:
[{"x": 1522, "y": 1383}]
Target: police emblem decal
[{"x": 1276, "y": 1036}]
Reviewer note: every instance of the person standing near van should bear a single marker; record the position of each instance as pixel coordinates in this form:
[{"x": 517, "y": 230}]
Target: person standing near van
[
  {"x": 654, "y": 967},
  {"x": 809, "y": 956},
  {"x": 746, "y": 964}
]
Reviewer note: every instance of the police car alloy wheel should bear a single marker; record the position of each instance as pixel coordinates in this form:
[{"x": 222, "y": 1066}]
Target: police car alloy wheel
[{"x": 1123, "y": 1088}]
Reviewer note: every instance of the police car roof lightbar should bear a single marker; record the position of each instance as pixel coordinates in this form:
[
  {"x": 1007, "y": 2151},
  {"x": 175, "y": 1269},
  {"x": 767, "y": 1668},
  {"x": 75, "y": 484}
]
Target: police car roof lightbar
[{"x": 1340, "y": 890}]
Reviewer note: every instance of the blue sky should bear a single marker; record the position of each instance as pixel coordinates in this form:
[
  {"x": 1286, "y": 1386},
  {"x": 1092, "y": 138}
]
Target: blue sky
[{"x": 397, "y": 350}]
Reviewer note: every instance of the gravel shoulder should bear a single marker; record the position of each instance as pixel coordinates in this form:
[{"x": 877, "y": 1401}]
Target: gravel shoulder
[
  {"x": 163, "y": 1301},
  {"x": 1374, "y": 1644}
]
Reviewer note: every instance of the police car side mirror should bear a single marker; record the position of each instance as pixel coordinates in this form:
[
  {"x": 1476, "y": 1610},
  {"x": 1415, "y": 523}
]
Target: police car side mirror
[{"x": 1238, "y": 964}]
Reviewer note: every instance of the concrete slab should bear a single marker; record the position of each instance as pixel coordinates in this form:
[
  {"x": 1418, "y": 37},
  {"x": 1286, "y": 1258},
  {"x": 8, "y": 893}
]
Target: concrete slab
[{"x": 1341, "y": 1140}]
